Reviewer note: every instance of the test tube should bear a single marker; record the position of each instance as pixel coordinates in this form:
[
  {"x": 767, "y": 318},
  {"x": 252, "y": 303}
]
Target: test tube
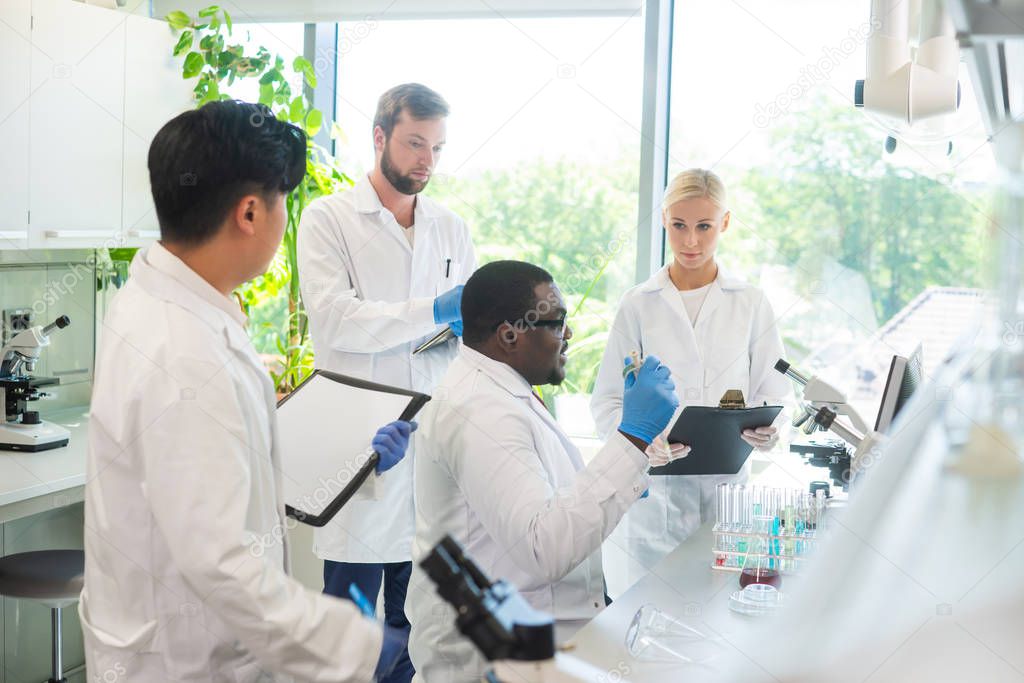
[
  {"x": 742, "y": 523},
  {"x": 746, "y": 515},
  {"x": 722, "y": 500},
  {"x": 790, "y": 512},
  {"x": 757, "y": 500},
  {"x": 722, "y": 516},
  {"x": 807, "y": 502},
  {"x": 734, "y": 501},
  {"x": 776, "y": 502},
  {"x": 819, "y": 505}
]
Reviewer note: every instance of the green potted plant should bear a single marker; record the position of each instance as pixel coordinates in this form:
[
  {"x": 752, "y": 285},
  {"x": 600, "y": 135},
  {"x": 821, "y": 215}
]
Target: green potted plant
[{"x": 214, "y": 63}]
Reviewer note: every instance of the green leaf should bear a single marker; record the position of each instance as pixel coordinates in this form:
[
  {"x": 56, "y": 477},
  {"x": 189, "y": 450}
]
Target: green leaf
[
  {"x": 206, "y": 43},
  {"x": 184, "y": 43},
  {"x": 227, "y": 21},
  {"x": 214, "y": 24},
  {"x": 209, "y": 11},
  {"x": 193, "y": 65},
  {"x": 314, "y": 120},
  {"x": 296, "y": 111},
  {"x": 178, "y": 20},
  {"x": 266, "y": 94},
  {"x": 303, "y": 66}
]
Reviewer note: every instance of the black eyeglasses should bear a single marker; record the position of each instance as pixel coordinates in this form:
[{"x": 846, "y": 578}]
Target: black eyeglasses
[{"x": 556, "y": 326}]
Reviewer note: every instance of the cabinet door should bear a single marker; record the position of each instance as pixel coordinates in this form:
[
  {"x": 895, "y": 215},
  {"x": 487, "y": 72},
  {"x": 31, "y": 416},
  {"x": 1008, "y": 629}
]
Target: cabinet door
[
  {"x": 77, "y": 109},
  {"x": 155, "y": 93},
  {"x": 15, "y": 55}
]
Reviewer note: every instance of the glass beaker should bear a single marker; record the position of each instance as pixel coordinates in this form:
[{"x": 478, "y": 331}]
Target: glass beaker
[
  {"x": 760, "y": 564},
  {"x": 656, "y": 636}
]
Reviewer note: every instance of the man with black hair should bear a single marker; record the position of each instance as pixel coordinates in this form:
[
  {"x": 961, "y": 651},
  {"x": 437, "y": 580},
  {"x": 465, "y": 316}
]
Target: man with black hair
[
  {"x": 382, "y": 268},
  {"x": 496, "y": 472},
  {"x": 186, "y": 570}
]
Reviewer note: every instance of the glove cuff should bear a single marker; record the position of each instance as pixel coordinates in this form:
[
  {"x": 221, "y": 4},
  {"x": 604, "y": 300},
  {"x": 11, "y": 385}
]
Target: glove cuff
[{"x": 639, "y": 432}]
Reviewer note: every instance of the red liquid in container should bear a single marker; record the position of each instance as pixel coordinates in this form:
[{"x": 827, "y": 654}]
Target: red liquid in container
[{"x": 767, "y": 576}]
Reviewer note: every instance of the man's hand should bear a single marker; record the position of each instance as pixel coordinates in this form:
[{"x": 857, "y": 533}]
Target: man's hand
[
  {"x": 648, "y": 401},
  {"x": 391, "y": 441},
  {"x": 448, "y": 306}
]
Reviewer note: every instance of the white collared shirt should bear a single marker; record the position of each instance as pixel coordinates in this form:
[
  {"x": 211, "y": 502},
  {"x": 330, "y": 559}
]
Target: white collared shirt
[
  {"x": 163, "y": 260},
  {"x": 496, "y": 472},
  {"x": 370, "y": 300}
]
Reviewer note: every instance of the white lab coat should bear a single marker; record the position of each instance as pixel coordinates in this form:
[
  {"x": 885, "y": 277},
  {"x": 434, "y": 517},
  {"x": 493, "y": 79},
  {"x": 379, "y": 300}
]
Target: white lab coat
[
  {"x": 185, "y": 566},
  {"x": 370, "y": 301},
  {"x": 497, "y": 473},
  {"x": 734, "y": 346}
]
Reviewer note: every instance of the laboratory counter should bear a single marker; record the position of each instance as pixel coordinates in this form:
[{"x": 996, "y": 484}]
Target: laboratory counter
[
  {"x": 684, "y": 586},
  {"x": 46, "y": 480}
]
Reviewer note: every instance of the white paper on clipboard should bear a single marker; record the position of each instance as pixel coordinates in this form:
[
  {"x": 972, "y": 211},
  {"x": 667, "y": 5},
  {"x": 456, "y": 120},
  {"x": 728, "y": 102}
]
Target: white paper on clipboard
[{"x": 325, "y": 428}]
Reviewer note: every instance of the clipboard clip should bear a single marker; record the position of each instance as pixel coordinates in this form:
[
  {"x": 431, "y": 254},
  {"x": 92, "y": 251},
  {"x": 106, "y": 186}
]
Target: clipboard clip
[
  {"x": 732, "y": 399},
  {"x": 438, "y": 339}
]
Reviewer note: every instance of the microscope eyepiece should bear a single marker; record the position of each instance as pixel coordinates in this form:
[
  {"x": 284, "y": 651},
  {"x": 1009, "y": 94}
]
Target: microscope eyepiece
[{"x": 58, "y": 324}]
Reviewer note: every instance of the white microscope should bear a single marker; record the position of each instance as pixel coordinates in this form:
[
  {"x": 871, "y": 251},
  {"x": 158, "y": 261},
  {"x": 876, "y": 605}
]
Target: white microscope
[
  {"x": 21, "y": 429},
  {"x": 823, "y": 403}
]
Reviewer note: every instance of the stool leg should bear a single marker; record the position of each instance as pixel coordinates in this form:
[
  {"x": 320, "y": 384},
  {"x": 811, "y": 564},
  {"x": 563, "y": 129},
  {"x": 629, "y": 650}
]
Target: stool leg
[{"x": 58, "y": 663}]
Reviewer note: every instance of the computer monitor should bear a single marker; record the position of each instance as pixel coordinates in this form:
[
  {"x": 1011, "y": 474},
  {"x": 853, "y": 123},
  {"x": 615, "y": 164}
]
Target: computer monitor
[{"x": 905, "y": 375}]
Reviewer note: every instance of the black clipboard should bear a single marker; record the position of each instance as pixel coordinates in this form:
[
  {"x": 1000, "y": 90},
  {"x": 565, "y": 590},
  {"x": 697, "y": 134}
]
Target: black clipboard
[
  {"x": 713, "y": 435},
  {"x": 415, "y": 403}
]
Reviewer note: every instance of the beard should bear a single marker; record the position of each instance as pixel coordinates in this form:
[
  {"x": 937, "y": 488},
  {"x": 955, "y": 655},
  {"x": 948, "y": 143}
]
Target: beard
[
  {"x": 403, "y": 183},
  {"x": 557, "y": 375}
]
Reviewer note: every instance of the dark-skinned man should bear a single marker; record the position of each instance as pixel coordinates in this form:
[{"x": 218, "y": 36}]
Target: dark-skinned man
[{"x": 497, "y": 473}]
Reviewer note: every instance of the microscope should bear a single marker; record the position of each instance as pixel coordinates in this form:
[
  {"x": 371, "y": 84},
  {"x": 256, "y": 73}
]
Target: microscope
[
  {"x": 822, "y": 404},
  {"x": 22, "y": 430},
  {"x": 516, "y": 638}
]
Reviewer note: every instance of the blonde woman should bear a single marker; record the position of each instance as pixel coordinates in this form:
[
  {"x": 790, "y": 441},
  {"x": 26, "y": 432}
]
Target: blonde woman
[{"x": 715, "y": 332}]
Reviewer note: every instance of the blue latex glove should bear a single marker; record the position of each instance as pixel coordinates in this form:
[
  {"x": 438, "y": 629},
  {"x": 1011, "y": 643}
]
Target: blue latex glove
[
  {"x": 648, "y": 401},
  {"x": 392, "y": 649},
  {"x": 448, "y": 306},
  {"x": 391, "y": 442},
  {"x": 456, "y": 326}
]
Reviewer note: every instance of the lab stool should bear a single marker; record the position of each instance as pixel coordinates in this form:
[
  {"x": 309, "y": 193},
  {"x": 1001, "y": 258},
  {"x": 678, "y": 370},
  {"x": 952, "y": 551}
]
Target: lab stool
[{"x": 52, "y": 577}]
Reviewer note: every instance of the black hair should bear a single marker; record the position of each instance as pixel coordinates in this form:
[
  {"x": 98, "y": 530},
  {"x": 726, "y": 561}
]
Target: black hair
[
  {"x": 501, "y": 291},
  {"x": 203, "y": 161},
  {"x": 420, "y": 101}
]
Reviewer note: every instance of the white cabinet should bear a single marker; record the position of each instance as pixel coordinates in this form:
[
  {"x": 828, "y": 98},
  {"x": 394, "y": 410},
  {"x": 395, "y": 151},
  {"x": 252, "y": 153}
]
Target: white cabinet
[
  {"x": 82, "y": 93},
  {"x": 15, "y": 90},
  {"x": 154, "y": 93},
  {"x": 77, "y": 107}
]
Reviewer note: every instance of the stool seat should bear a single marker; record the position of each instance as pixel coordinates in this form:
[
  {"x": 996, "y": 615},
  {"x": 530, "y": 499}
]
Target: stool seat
[{"x": 53, "y": 577}]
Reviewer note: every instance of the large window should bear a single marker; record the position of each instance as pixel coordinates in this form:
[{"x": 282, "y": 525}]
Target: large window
[
  {"x": 543, "y": 149},
  {"x": 862, "y": 253}
]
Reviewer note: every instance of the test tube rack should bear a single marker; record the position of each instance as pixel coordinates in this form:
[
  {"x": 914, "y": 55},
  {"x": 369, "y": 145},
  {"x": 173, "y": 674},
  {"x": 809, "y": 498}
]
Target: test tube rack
[{"x": 781, "y": 524}]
